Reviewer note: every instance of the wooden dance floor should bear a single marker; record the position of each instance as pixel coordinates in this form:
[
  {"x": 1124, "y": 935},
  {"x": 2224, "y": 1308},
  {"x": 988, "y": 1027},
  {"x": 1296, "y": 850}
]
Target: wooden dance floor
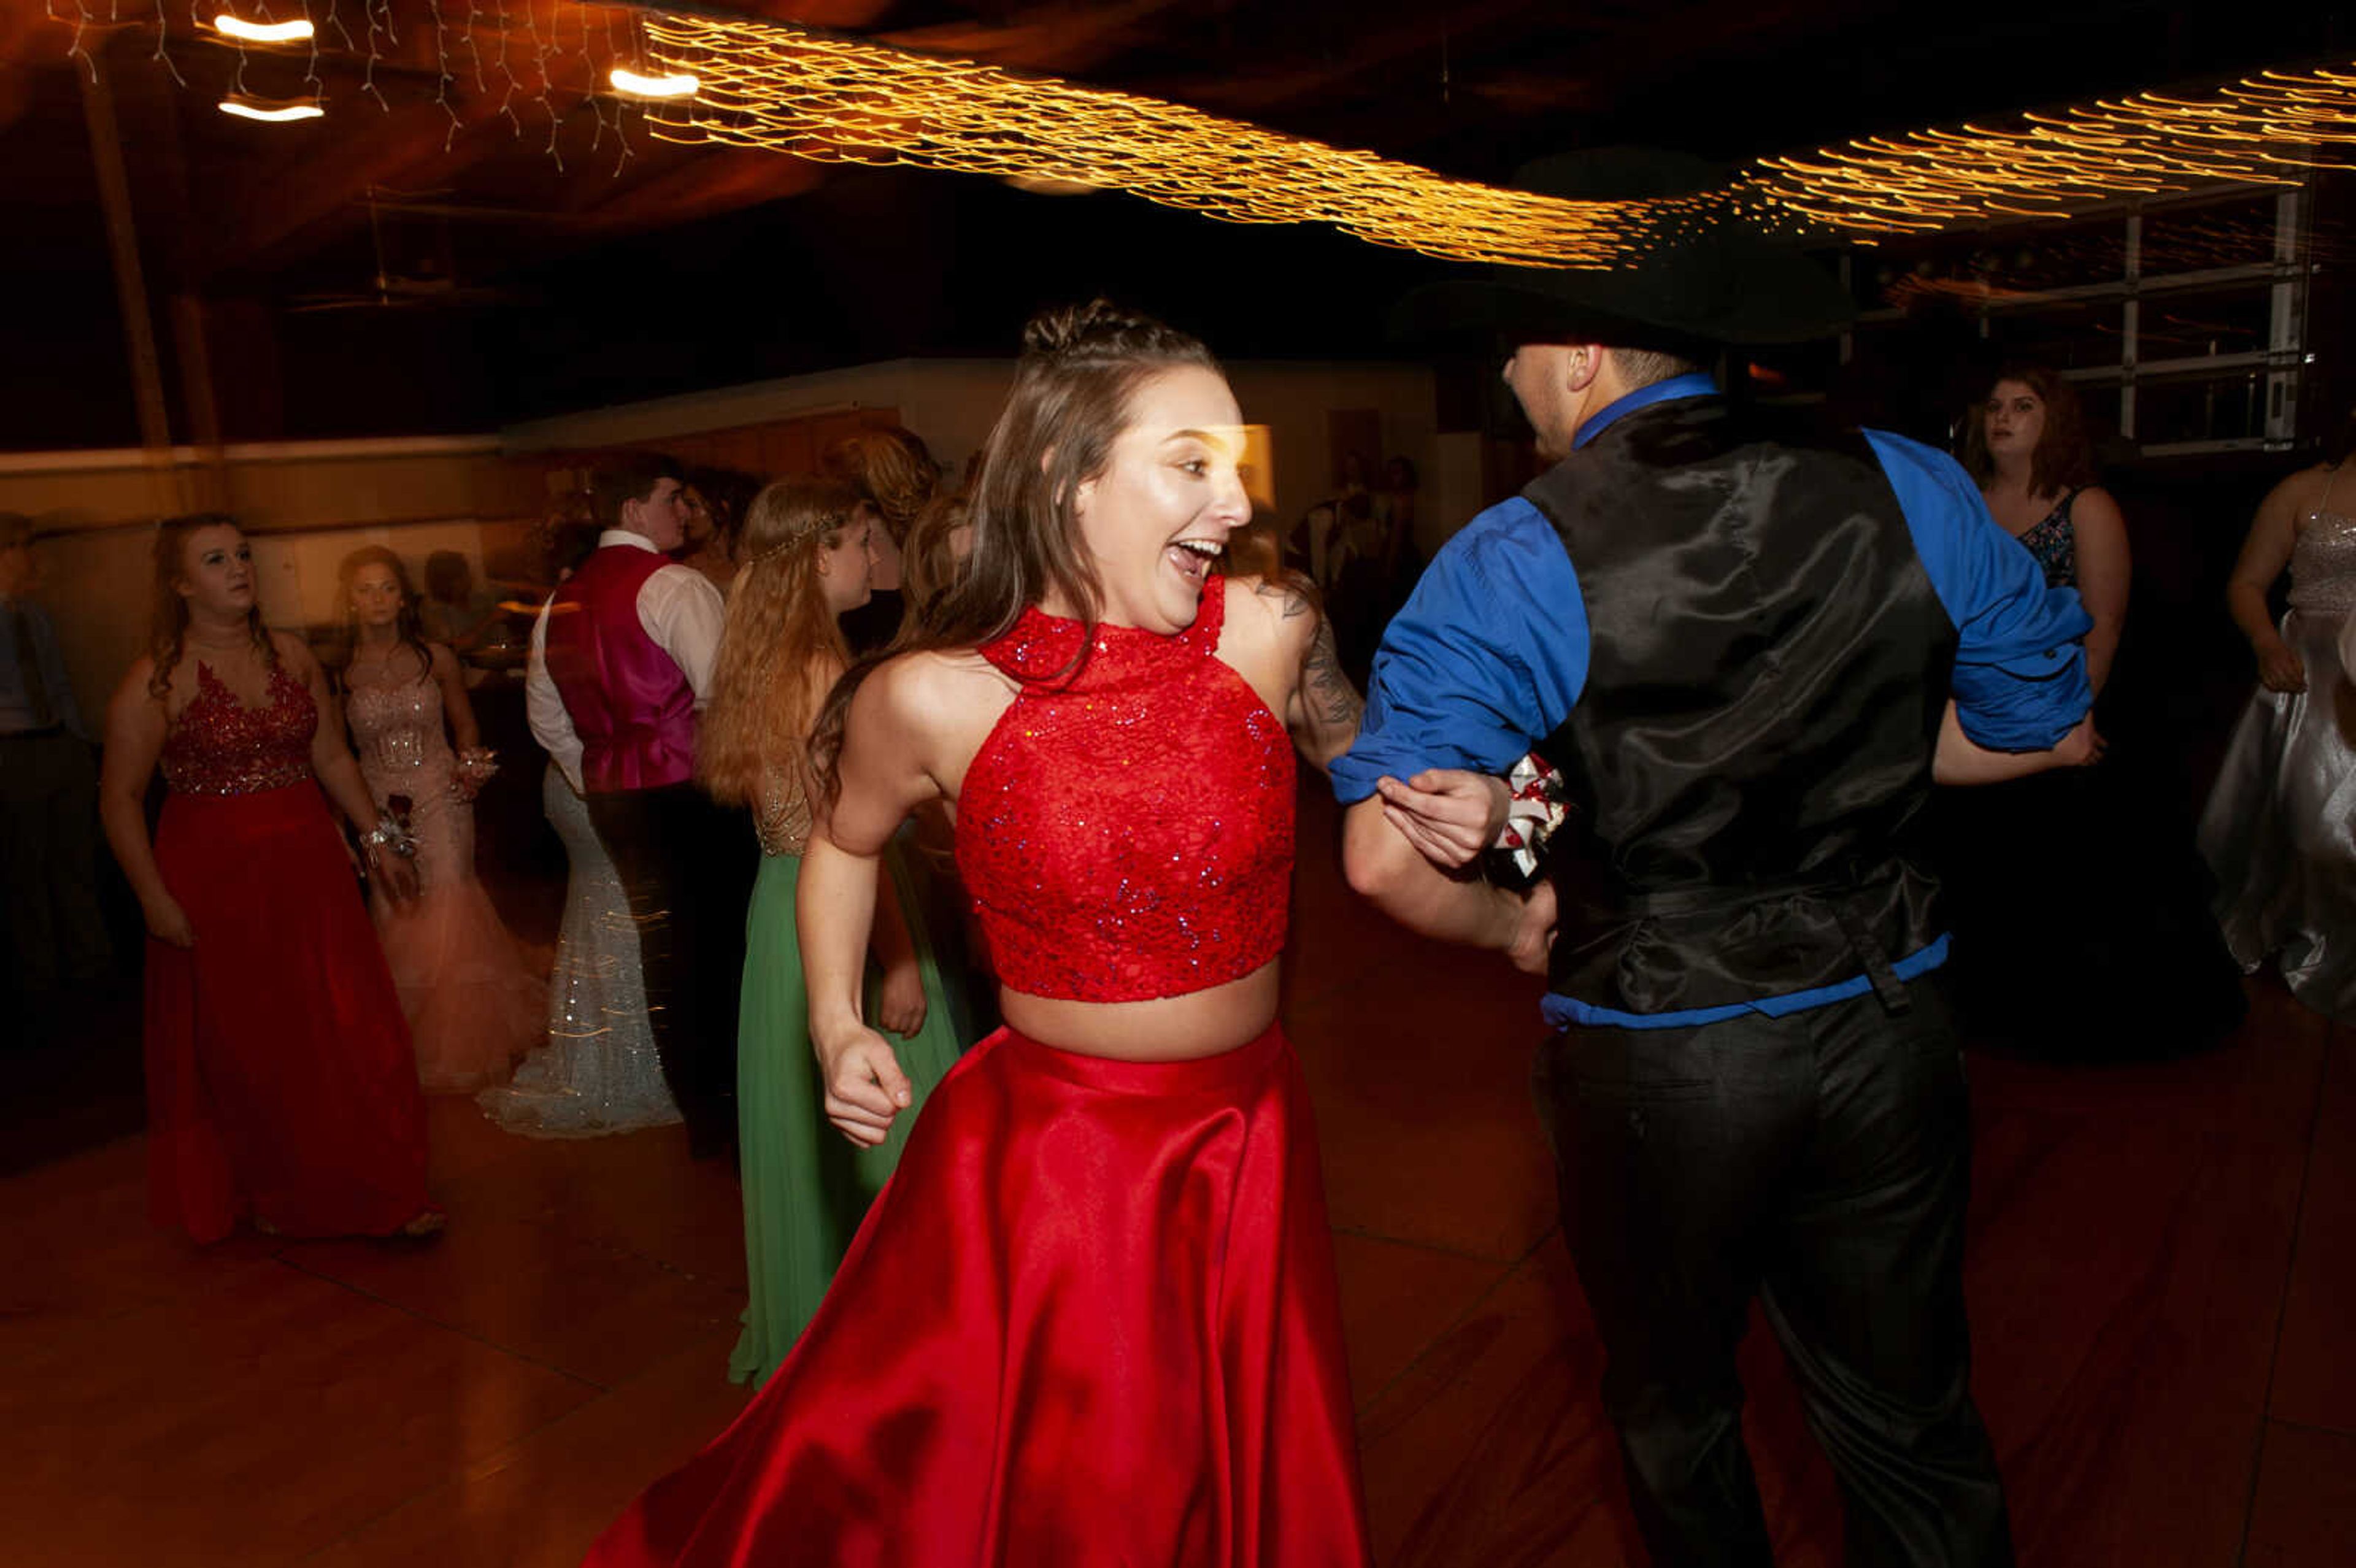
[{"x": 2163, "y": 1281}]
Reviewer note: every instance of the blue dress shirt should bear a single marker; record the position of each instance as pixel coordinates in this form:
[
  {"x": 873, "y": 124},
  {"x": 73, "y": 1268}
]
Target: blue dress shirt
[{"x": 1489, "y": 654}]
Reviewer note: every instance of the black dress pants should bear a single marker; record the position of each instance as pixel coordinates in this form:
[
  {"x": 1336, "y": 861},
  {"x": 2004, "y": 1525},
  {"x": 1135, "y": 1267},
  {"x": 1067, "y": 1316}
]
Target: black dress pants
[
  {"x": 51, "y": 930},
  {"x": 687, "y": 865},
  {"x": 1821, "y": 1162}
]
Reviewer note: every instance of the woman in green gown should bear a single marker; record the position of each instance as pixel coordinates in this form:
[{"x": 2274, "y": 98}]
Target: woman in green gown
[{"x": 808, "y": 557}]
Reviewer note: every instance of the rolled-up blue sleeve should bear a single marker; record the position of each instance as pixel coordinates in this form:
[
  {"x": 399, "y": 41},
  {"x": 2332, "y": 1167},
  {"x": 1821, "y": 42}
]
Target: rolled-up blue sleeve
[
  {"x": 1487, "y": 657},
  {"x": 2019, "y": 682}
]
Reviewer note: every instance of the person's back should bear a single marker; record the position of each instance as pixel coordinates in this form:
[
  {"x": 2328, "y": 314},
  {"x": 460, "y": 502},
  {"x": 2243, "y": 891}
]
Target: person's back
[
  {"x": 630, "y": 703},
  {"x": 1743, "y": 663},
  {"x": 621, "y": 661},
  {"x": 1767, "y": 664}
]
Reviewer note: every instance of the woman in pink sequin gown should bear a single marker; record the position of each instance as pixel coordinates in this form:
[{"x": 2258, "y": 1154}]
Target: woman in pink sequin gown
[
  {"x": 473, "y": 1006},
  {"x": 279, "y": 1083}
]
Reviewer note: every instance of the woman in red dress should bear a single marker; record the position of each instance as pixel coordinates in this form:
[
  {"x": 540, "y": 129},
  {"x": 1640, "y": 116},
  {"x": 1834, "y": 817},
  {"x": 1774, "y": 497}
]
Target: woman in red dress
[
  {"x": 280, "y": 1085},
  {"x": 1091, "y": 1319}
]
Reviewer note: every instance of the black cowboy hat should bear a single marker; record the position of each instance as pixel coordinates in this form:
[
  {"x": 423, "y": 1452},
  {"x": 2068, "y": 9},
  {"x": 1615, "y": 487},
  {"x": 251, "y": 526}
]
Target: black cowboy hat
[{"x": 1716, "y": 274}]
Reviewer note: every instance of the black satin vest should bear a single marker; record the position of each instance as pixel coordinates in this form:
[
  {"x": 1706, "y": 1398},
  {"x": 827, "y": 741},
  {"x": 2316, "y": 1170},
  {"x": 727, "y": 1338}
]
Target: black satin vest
[{"x": 1750, "y": 758}]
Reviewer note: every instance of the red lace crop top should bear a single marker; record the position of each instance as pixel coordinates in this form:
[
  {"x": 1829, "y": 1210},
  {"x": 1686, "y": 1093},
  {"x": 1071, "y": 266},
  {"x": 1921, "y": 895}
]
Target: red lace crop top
[
  {"x": 1126, "y": 832},
  {"x": 219, "y": 746}
]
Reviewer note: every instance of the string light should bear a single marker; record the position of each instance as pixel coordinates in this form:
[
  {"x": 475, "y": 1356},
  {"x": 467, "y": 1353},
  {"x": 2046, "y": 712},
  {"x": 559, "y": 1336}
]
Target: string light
[
  {"x": 621, "y": 138},
  {"x": 2263, "y": 130},
  {"x": 740, "y": 81},
  {"x": 83, "y": 23},
  {"x": 768, "y": 84},
  {"x": 541, "y": 48},
  {"x": 775, "y": 85},
  {"x": 368, "y": 80},
  {"x": 442, "y": 66},
  {"x": 507, "y": 99}
]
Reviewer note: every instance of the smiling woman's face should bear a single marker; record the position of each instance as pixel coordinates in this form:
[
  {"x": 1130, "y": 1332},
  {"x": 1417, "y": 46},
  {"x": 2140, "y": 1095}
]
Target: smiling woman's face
[{"x": 1167, "y": 499}]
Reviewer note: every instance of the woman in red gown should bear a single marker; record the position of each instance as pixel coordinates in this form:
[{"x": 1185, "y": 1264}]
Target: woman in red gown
[
  {"x": 280, "y": 1086},
  {"x": 1091, "y": 1319}
]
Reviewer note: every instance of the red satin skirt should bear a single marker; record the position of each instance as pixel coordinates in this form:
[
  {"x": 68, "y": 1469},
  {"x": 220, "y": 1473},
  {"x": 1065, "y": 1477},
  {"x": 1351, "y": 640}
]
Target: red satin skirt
[
  {"x": 280, "y": 1082},
  {"x": 1090, "y": 1319}
]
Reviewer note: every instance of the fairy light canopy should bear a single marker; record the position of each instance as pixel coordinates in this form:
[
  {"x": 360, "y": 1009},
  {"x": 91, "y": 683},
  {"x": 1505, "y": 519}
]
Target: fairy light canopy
[
  {"x": 730, "y": 80},
  {"x": 839, "y": 99},
  {"x": 2269, "y": 128}
]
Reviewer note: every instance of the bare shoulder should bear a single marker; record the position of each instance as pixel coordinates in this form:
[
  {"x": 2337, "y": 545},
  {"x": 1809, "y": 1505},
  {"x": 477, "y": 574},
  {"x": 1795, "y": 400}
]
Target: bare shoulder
[
  {"x": 132, "y": 691},
  {"x": 444, "y": 662},
  {"x": 1280, "y": 612},
  {"x": 2097, "y": 505},
  {"x": 294, "y": 653},
  {"x": 934, "y": 690},
  {"x": 927, "y": 714},
  {"x": 2301, "y": 493}
]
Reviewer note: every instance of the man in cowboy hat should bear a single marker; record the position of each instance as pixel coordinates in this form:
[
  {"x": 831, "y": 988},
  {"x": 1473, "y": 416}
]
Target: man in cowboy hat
[{"x": 1736, "y": 665}]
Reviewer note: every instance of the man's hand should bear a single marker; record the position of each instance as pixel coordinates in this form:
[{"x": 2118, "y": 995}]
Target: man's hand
[
  {"x": 864, "y": 1087},
  {"x": 1534, "y": 936},
  {"x": 1448, "y": 813}
]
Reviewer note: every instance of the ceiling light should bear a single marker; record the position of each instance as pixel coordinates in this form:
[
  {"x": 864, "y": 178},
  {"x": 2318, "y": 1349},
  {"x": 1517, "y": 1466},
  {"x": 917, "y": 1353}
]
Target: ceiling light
[
  {"x": 625, "y": 79},
  {"x": 271, "y": 111},
  {"x": 293, "y": 32}
]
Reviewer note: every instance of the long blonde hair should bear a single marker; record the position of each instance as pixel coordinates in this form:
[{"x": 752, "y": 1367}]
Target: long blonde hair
[{"x": 778, "y": 646}]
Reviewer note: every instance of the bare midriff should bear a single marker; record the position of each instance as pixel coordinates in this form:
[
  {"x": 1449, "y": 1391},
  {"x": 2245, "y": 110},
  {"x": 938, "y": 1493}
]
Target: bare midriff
[{"x": 1166, "y": 1029}]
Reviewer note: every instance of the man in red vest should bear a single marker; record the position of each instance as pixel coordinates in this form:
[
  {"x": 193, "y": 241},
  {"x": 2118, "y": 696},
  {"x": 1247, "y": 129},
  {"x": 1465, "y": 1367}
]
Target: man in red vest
[{"x": 621, "y": 662}]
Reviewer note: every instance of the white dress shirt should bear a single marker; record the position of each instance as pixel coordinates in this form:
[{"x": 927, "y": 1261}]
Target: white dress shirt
[{"x": 677, "y": 607}]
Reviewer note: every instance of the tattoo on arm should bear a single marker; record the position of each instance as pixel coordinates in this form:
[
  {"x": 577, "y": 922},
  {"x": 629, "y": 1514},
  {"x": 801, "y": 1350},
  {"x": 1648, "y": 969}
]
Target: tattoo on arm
[
  {"x": 1327, "y": 697},
  {"x": 1292, "y": 598}
]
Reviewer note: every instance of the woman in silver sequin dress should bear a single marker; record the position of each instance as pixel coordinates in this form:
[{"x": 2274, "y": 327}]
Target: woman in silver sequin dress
[
  {"x": 598, "y": 1072},
  {"x": 2280, "y": 827}
]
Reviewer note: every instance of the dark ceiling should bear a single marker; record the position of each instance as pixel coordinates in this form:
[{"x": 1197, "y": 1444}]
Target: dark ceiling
[{"x": 415, "y": 267}]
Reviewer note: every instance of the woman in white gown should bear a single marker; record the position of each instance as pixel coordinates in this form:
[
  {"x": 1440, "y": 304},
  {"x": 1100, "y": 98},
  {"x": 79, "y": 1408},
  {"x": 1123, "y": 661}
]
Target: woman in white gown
[
  {"x": 597, "y": 1072},
  {"x": 473, "y": 1005},
  {"x": 2280, "y": 827}
]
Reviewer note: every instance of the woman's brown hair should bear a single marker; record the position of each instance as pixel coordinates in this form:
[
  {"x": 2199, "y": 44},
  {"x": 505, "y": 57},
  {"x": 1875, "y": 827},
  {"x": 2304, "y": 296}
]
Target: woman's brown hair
[
  {"x": 2064, "y": 458},
  {"x": 1079, "y": 372},
  {"x": 779, "y": 644},
  {"x": 407, "y": 630},
  {"x": 929, "y": 562},
  {"x": 891, "y": 469}
]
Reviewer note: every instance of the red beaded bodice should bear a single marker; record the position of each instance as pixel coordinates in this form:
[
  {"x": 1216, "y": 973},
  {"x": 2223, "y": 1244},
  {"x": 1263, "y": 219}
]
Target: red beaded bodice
[
  {"x": 1126, "y": 832},
  {"x": 219, "y": 746}
]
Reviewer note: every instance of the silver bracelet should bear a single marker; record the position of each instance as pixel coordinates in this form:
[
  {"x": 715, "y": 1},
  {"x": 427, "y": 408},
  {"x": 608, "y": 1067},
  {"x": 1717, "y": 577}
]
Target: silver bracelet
[{"x": 388, "y": 834}]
